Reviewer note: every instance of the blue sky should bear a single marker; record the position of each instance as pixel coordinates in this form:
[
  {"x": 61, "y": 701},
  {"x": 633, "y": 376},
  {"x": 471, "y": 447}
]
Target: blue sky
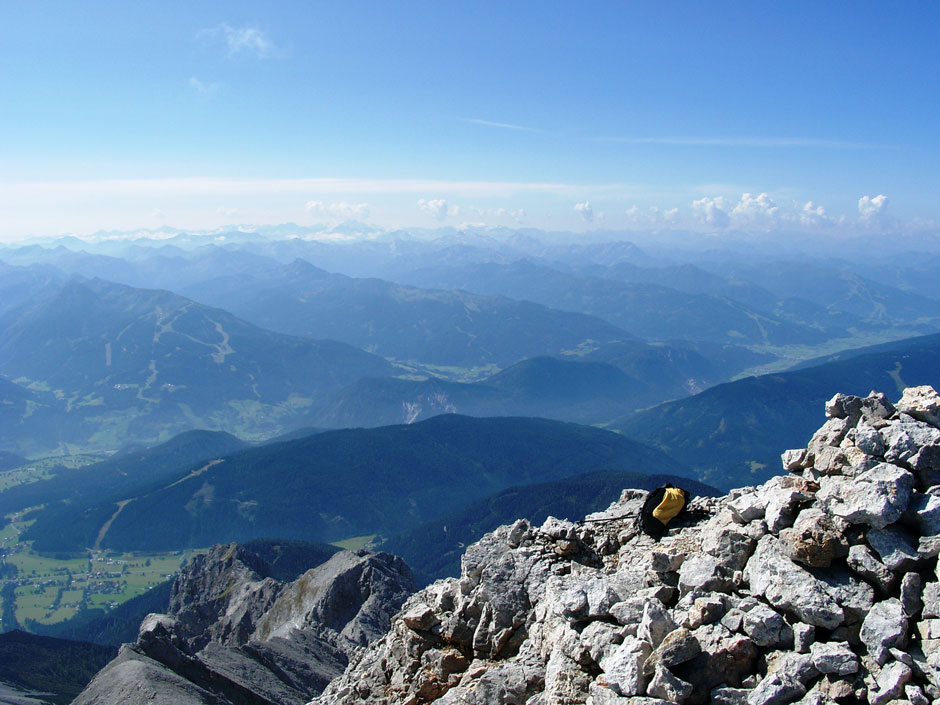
[{"x": 558, "y": 115}]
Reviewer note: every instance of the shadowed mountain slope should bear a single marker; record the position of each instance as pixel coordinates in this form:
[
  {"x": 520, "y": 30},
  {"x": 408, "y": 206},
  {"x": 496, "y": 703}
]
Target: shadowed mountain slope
[
  {"x": 584, "y": 392},
  {"x": 355, "y": 482},
  {"x": 733, "y": 434},
  {"x": 433, "y": 550}
]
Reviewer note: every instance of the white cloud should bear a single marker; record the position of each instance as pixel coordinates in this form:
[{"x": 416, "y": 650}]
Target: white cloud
[
  {"x": 755, "y": 210},
  {"x": 227, "y": 212},
  {"x": 812, "y": 215},
  {"x": 201, "y": 87},
  {"x": 652, "y": 216},
  {"x": 872, "y": 210},
  {"x": 515, "y": 214},
  {"x": 339, "y": 209},
  {"x": 712, "y": 211},
  {"x": 438, "y": 208},
  {"x": 249, "y": 40},
  {"x": 585, "y": 209}
]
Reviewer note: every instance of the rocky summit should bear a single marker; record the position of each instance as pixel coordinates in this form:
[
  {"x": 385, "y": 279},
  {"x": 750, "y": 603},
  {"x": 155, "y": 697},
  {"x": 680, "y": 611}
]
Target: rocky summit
[
  {"x": 233, "y": 635},
  {"x": 819, "y": 586}
]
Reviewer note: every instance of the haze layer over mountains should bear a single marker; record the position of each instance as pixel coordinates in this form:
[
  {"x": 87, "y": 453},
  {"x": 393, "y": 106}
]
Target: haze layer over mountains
[{"x": 126, "y": 340}]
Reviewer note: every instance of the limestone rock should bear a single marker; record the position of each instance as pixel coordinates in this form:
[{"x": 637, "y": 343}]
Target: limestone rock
[
  {"x": 923, "y": 403},
  {"x": 668, "y": 687},
  {"x": 789, "y": 587},
  {"x": 836, "y": 658},
  {"x": 863, "y": 561},
  {"x": 883, "y": 628},
  {"x": 763, "y": 596},
  {"x": 897, "y": 550},
  {"x": 236, "y": 635},
  {"x": 878, "y": 497}
]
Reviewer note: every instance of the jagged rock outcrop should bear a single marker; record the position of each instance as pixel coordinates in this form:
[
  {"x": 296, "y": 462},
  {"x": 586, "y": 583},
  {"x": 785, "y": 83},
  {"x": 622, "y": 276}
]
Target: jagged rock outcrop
[
  {"x": 235, "y": 635},
  {"x": 820, "y": 586}
]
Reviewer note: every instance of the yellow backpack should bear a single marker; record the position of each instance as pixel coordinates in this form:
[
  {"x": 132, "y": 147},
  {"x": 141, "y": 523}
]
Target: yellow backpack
[{"x": 672, "y": 503}]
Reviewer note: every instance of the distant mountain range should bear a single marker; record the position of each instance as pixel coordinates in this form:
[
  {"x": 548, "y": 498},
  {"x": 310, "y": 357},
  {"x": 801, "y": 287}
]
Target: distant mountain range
[
  {"x": 420, "y": 326},
  {"x": 340, "y": 484},
  {"x": 733, "y": 434},
  {"x": 648, "y": 309},
  {"x": 109, "y": 364}
]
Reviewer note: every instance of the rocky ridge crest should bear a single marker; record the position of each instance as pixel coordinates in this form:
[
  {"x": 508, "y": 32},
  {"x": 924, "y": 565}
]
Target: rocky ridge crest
[
  {"x": 819, "y": 586},
  {"x": 235, "y": 635}
]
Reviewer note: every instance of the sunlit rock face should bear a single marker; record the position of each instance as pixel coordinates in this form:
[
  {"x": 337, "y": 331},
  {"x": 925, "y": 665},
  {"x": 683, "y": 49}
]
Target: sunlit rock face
[
  {"x": 235, "y": 635},
  {"x": 819, "y": 586}
]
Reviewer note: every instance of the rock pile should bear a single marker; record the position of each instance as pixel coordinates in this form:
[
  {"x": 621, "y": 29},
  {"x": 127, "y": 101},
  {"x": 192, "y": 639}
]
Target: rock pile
[
  {"x": 820, "y": 586},
  {"x": 234, "y": 635}
]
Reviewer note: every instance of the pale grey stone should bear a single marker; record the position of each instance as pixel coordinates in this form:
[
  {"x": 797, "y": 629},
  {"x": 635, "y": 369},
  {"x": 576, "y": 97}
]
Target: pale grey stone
[
  {"x": 724, "y": 658},
  {"x": 836, "y": 658},
  {"x": 911, "y": 590},
  {"x": 677, "y": 647},
  {"x": 598, "y": 637},
  {"x": 829, "y": 435},
  {"x": 884, "y": 627},
  {"x": 890, "y": 683},
  {"x": 776, "y": 689},
  {"x": 748, "y": 507},
  {"x": 704, "y": 572},
  {"x": 923, "y": 403},
  {"x": 665, "y": 562},
  {"x": 868, "y": 440},
  {"x": 905, "y": 438},
  {"x": 592, "y": 597},
  {"x": 928, "y": 547},
  {"x": 915, "y": 695},
  {"x": 558, "y": 528},
  {"x": 854, "y": 595},
  {"x": 765, "y": 627},
  {"x": 732, "y": 620},
  {"x": 519, "y": 532},
  {"x": 878, "y": 497},
  {"x": 924, "y": 513},
  {"x": 784, "y": 493},
  {"x": 803, "y": 637},
  {"x": 729, "y": 543},
  {"x": 629, "y": 613},
  {"x": 789, "y": 587},
  {"x": 931, "y": 600},
  {"x": 705, "y": 610},
  {"x": 897, "y": 550},
  {"x": 623, "y": 669},
  {"x": 667, "y": 686},
  {"x": 862, "y": 560},
  {"x": 793, "y": 460},
  {"x": 793, "y": 666},
  {"x": 655, "y": 624}
]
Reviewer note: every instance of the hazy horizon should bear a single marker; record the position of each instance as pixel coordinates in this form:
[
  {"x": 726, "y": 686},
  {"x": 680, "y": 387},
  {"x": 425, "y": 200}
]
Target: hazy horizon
[{"x": 620, "y": 116}]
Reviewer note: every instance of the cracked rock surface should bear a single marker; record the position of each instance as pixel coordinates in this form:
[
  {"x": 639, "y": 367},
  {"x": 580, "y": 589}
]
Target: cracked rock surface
[
  {"x": 235, "y": 636},
  {"x": 819, "y": 586}
]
